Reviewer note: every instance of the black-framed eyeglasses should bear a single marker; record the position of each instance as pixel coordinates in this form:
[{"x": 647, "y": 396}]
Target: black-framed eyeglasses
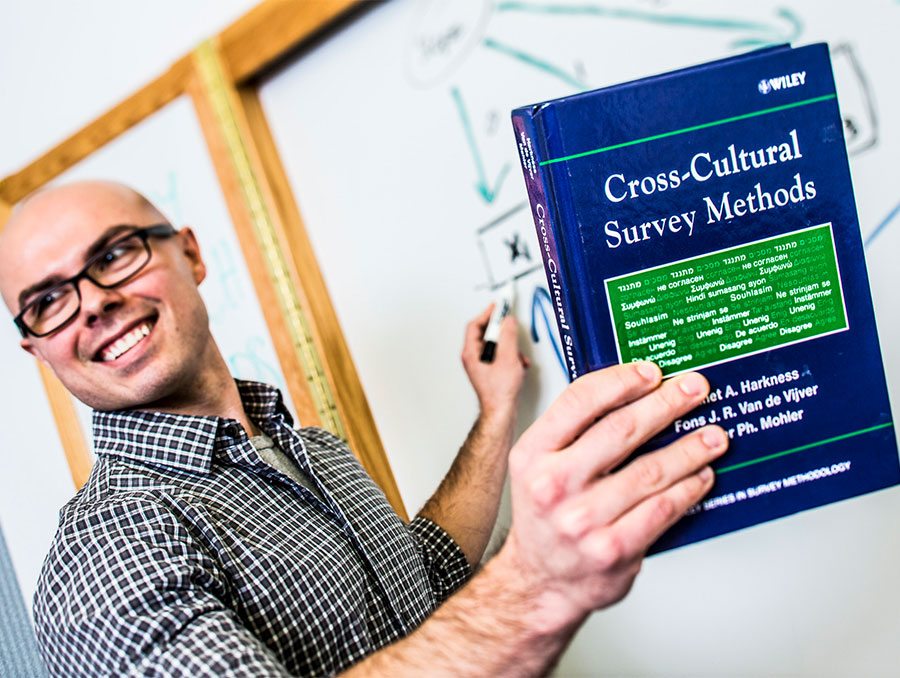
[{"x": 50, "y": 309}]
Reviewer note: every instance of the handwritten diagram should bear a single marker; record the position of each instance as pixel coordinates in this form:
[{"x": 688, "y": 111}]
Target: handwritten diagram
[{"x": 505, "y": 249}]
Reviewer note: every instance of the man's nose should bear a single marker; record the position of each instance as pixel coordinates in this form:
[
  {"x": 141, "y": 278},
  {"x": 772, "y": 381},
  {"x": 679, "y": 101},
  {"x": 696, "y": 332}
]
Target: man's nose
[{"x": 97, "y": 301}]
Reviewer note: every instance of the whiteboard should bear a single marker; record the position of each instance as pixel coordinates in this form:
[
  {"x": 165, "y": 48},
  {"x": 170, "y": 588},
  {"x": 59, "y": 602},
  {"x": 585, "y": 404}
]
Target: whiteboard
[{"x": 396, "y": 139}]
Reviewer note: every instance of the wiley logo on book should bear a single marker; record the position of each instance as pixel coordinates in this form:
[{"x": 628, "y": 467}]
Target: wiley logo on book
[{"x": 766, "y": 85}]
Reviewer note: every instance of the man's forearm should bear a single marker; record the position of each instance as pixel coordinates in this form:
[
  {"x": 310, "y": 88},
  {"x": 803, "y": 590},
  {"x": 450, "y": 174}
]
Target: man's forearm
[
  {"x": 467, "y": 500},
  {"x": 582, "y": 522}
]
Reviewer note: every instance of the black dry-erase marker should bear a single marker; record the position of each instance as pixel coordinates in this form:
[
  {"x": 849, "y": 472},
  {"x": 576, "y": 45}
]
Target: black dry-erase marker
[{"x": 501, "y": 309}]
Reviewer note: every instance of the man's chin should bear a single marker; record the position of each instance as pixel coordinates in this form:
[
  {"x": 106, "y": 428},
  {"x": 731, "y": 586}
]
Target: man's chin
[{"x": 112, "y": 395}]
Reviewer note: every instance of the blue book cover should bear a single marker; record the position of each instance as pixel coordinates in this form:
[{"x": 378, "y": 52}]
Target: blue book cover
[{"x": 704, "y": 219}]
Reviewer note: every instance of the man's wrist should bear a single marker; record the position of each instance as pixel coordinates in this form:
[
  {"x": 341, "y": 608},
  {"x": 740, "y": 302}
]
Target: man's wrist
[
  {"x": 493, "y": 626},
  {"x": 546, "y": 615},
  {"x": 498, "y": 416}
]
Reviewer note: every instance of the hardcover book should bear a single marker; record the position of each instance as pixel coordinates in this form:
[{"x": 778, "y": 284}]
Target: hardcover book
[{"x": 704, "y": 219}]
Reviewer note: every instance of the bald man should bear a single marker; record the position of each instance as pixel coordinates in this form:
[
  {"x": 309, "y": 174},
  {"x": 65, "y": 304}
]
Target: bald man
[{"x": 214, "y": 538}]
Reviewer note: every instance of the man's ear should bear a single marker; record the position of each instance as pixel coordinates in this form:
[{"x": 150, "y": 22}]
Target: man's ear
[
  {"x": 26, "y": 344},
  {"x": 191, "y": 250}
]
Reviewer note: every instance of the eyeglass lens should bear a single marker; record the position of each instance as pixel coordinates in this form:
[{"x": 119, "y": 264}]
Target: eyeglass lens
[{"x": 112, "y": 266}]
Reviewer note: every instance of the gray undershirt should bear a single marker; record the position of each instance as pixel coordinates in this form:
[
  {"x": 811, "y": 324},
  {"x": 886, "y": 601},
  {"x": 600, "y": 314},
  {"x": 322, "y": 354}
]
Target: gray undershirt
[{"x": 274, "y": 457}]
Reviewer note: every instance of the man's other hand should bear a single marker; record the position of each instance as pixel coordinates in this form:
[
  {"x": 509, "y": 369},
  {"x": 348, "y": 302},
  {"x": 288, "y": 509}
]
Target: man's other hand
[{"x": 497, "y": 384}]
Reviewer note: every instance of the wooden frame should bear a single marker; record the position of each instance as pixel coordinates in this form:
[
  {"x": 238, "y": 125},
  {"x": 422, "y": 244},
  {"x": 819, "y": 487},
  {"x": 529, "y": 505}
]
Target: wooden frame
[{"x": 219, "y": 77}]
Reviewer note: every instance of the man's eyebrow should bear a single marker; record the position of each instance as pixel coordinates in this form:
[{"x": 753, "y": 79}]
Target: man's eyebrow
[
  {"x": 104, "y": 239},
  {"x": 97, "y": 246}
]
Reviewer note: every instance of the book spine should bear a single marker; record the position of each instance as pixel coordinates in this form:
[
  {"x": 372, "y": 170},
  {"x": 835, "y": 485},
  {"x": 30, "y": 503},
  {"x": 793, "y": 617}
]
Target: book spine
[{"x": 546, "y": 222}]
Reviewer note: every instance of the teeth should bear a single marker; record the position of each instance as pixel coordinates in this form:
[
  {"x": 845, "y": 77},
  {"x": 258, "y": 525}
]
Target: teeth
[{"x": 127, "y": 342}]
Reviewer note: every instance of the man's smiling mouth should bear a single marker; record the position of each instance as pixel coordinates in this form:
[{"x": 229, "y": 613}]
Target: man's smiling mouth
[{"x": 126, "y": 342}]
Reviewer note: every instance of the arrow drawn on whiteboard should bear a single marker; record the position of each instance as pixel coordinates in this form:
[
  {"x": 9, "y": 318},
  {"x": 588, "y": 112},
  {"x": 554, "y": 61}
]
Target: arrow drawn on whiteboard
[
  {"x": 765, "y": 33},
  {"x": 482, "y": 186},
  {"x": 539, "y": 299},
  {"x": 880, "y": 227},
  {"x": 537, "y": 63}
]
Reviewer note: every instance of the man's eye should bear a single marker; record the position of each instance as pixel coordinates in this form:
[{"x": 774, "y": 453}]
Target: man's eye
[
  {"x": 114, "y": 253},
  {"x": 47, "y": 302},
  {"x": 114, "y": 256}
]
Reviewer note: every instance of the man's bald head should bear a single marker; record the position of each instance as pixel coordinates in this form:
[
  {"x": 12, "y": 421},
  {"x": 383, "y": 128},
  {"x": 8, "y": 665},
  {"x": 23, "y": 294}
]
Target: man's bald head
[{"x": 79, "y": 188}]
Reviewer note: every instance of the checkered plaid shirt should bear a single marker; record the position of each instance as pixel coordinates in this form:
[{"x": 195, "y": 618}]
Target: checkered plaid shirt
[{"x": 186, "y": 555}]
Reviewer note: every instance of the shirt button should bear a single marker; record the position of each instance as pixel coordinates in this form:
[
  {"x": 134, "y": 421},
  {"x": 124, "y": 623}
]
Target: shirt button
[{"x": 231, "y": 430}]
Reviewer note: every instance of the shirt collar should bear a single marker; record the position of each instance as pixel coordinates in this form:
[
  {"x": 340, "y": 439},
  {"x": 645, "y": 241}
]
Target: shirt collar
[
  {"x": 185, "y": 442},
  {"x": 262, "y": 401}
]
